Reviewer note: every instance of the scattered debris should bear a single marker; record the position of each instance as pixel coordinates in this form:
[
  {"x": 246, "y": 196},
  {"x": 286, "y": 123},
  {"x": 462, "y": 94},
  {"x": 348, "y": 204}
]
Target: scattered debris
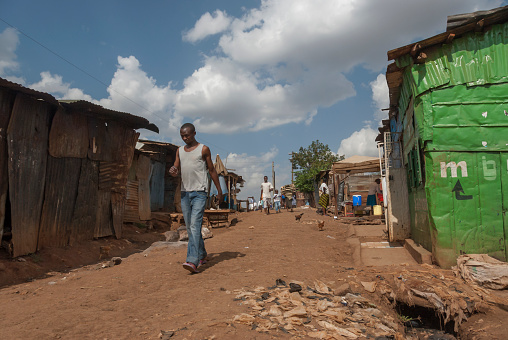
[
  {"x": 166, "y": 335},
  {"x": 316, "y": 312},
  {"x": 172, "y": 236},
  {"x": 483, "y": 270},
  {"x": 369, "y": 286},
  {"x": 115, "y": 261}
]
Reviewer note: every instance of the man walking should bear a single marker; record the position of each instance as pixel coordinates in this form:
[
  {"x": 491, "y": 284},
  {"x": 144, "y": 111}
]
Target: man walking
[
  {"x": 266, "y": 194},
  {"x": 192, "y": 161}
]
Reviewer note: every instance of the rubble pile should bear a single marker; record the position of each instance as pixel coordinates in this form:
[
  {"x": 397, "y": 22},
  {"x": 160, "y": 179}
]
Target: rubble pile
[
  {"x": 453, "y": 300},
  {"x": 313, "y": 312}
]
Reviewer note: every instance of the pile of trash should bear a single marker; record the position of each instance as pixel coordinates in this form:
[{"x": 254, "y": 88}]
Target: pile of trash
[
  {"x": 313, "y": 312},
  {"x": 437, "y": 289}
]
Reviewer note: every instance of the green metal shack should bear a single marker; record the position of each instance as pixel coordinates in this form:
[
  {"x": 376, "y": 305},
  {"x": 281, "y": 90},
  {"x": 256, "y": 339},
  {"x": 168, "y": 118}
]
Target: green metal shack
[{"x": 449, "y": 111}]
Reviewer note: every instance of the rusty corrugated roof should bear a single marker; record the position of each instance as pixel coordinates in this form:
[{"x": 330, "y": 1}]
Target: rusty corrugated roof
[
  {"x": 83, "y": 106},
  {"x": 33, "y": 93}
]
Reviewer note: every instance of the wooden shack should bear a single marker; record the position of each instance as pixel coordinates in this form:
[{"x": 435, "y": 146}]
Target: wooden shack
[
  {"x": 353, "y": 176},
  {"x": 150, "y": 187},
  {"x": 63, "y": 169},
  {"x": 231, "y": 180}
]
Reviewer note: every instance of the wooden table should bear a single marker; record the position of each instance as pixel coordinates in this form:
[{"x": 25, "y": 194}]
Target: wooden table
[{"x": 216, "y": 217}]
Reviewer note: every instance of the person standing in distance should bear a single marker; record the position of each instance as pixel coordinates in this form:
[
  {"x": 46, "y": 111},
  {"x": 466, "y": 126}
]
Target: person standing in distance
[
  {"x": 266, "y": 194},
  {"x": 193, "y": 160}
]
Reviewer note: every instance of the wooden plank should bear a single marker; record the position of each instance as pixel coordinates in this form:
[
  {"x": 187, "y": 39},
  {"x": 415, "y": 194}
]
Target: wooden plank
[
  {"x": 6, "y": 103},
  {"x": 68, "y": 136},
  {"x": 27, "y": 138},
  {"x": 143, "y": 175},
  {"x": 104, "y": 223},
  {"x": 117, "y": 210},
  {"x": 84, "y": 216},
  {"x": 62, "y": 179}
]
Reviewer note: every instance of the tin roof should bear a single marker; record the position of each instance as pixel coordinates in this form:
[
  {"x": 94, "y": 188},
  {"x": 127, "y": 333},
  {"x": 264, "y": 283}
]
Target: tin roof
[
  {"x": 356, "y": 164},
  {"x": 130, "y": 120},
  {"x": 33, "y": 93},
  {"x": 457, "y": 25},
  {"x": 161, "y": 144},
  {"x": 82, "y": 106}
]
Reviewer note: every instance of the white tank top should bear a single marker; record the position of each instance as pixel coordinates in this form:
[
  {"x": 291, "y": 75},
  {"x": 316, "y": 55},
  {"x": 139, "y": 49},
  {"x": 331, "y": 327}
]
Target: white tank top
[{"x": 193, "y": 169}]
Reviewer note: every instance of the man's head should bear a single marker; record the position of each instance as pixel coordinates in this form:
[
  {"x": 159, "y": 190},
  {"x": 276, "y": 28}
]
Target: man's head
[
  {"x": 265, "y": 178},
  {"x": 276, "y": 191},
  {"x": 377, "y": 180},
  {"x": 188, "y": 133}
]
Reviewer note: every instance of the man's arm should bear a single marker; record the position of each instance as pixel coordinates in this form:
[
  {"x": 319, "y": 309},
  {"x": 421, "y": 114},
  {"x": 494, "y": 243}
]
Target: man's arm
[
  {"x": 207, "y": 156},
  {"x": 175, "y": 169}
]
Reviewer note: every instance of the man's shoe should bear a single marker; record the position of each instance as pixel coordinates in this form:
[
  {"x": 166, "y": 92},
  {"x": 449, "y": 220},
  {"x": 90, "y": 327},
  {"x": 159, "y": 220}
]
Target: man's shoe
[{"x": 190, "y": 267}]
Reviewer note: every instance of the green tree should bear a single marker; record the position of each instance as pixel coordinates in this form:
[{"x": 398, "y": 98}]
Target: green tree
[{"x": 309, "y": 161}]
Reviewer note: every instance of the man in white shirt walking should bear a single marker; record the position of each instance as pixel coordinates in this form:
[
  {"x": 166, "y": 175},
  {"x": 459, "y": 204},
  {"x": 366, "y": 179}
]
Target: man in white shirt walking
[{"x": 266, "y": 194}]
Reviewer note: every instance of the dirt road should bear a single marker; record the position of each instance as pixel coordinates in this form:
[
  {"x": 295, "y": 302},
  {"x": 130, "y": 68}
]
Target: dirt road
[{"x": 150, "y": 291}]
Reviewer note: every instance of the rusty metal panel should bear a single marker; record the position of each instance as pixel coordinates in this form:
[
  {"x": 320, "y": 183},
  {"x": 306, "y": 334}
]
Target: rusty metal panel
[
  {"x": 143, "y": 174},
  {"x": 27, "y": 138},
  {"x": 104, "y": 222},
  {"x": 131, "y": 213},
  {"x": 99, "y": 141},
  {"x": 68, "y": 136},
  {"x": 157, "y": 185},
  {"x": 84, "y": 218},
  {"x": 6, "y": 103},
  {"x": 117, "y": 210},
  {"x": 123, "y": 141},
  {"x": 62, "y": 178},
  {"x": 105, "y": 170}
]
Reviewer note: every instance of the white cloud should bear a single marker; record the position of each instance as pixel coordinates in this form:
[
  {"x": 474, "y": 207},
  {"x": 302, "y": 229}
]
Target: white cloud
[
  {"x": 253, "y": 169},
  {"x": 380, "y": 96},
  {"x": 55, "y": 85},
  {"x": 361, "y": 143},
  {"x": 208, "y": 24},
  {"x": 224, "y": 97},
  {"x": 9, "y": 42},
  {"x": 132, "y": 90}
]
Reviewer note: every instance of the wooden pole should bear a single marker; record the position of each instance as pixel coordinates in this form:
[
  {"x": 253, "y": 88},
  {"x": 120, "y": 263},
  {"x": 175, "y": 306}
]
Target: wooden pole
[
  {"x": 336, "y": 194},
  {"x": 229, "y": 192},
  {"x": 273, "y": 175}
]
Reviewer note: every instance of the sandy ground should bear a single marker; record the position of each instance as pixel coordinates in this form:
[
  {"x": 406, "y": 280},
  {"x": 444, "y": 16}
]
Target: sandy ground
[{"x": 150, "y": 291}]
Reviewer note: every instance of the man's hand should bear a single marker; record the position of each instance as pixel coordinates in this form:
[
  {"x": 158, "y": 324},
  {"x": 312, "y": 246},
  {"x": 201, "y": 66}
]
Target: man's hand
[{"x": 173, "y": 171}]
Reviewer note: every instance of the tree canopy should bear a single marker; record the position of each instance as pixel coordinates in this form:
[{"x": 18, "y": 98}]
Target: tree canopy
[{"x": 309, "y": 161}]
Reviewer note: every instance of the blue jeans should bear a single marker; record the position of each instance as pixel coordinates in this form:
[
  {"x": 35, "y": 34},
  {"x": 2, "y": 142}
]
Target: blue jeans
[
  {"x": 193, "y": 208},
  {"x": 276, "y": 205}
]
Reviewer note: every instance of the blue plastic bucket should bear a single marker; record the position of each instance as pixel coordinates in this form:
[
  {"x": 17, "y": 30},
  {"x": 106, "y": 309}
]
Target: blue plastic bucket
[{"x": 357, "y": 200}]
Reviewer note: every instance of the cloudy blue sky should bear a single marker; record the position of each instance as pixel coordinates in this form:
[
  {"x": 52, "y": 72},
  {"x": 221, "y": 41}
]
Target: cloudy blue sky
[{"x": 259, "y": 79}]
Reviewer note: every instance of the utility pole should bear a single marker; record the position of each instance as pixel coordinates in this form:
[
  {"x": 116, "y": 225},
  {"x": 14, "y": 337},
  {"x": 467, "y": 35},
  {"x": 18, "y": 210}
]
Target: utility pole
[
  {"x": 273, "y": 175},
  {"x": 292, "y": 172}
]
